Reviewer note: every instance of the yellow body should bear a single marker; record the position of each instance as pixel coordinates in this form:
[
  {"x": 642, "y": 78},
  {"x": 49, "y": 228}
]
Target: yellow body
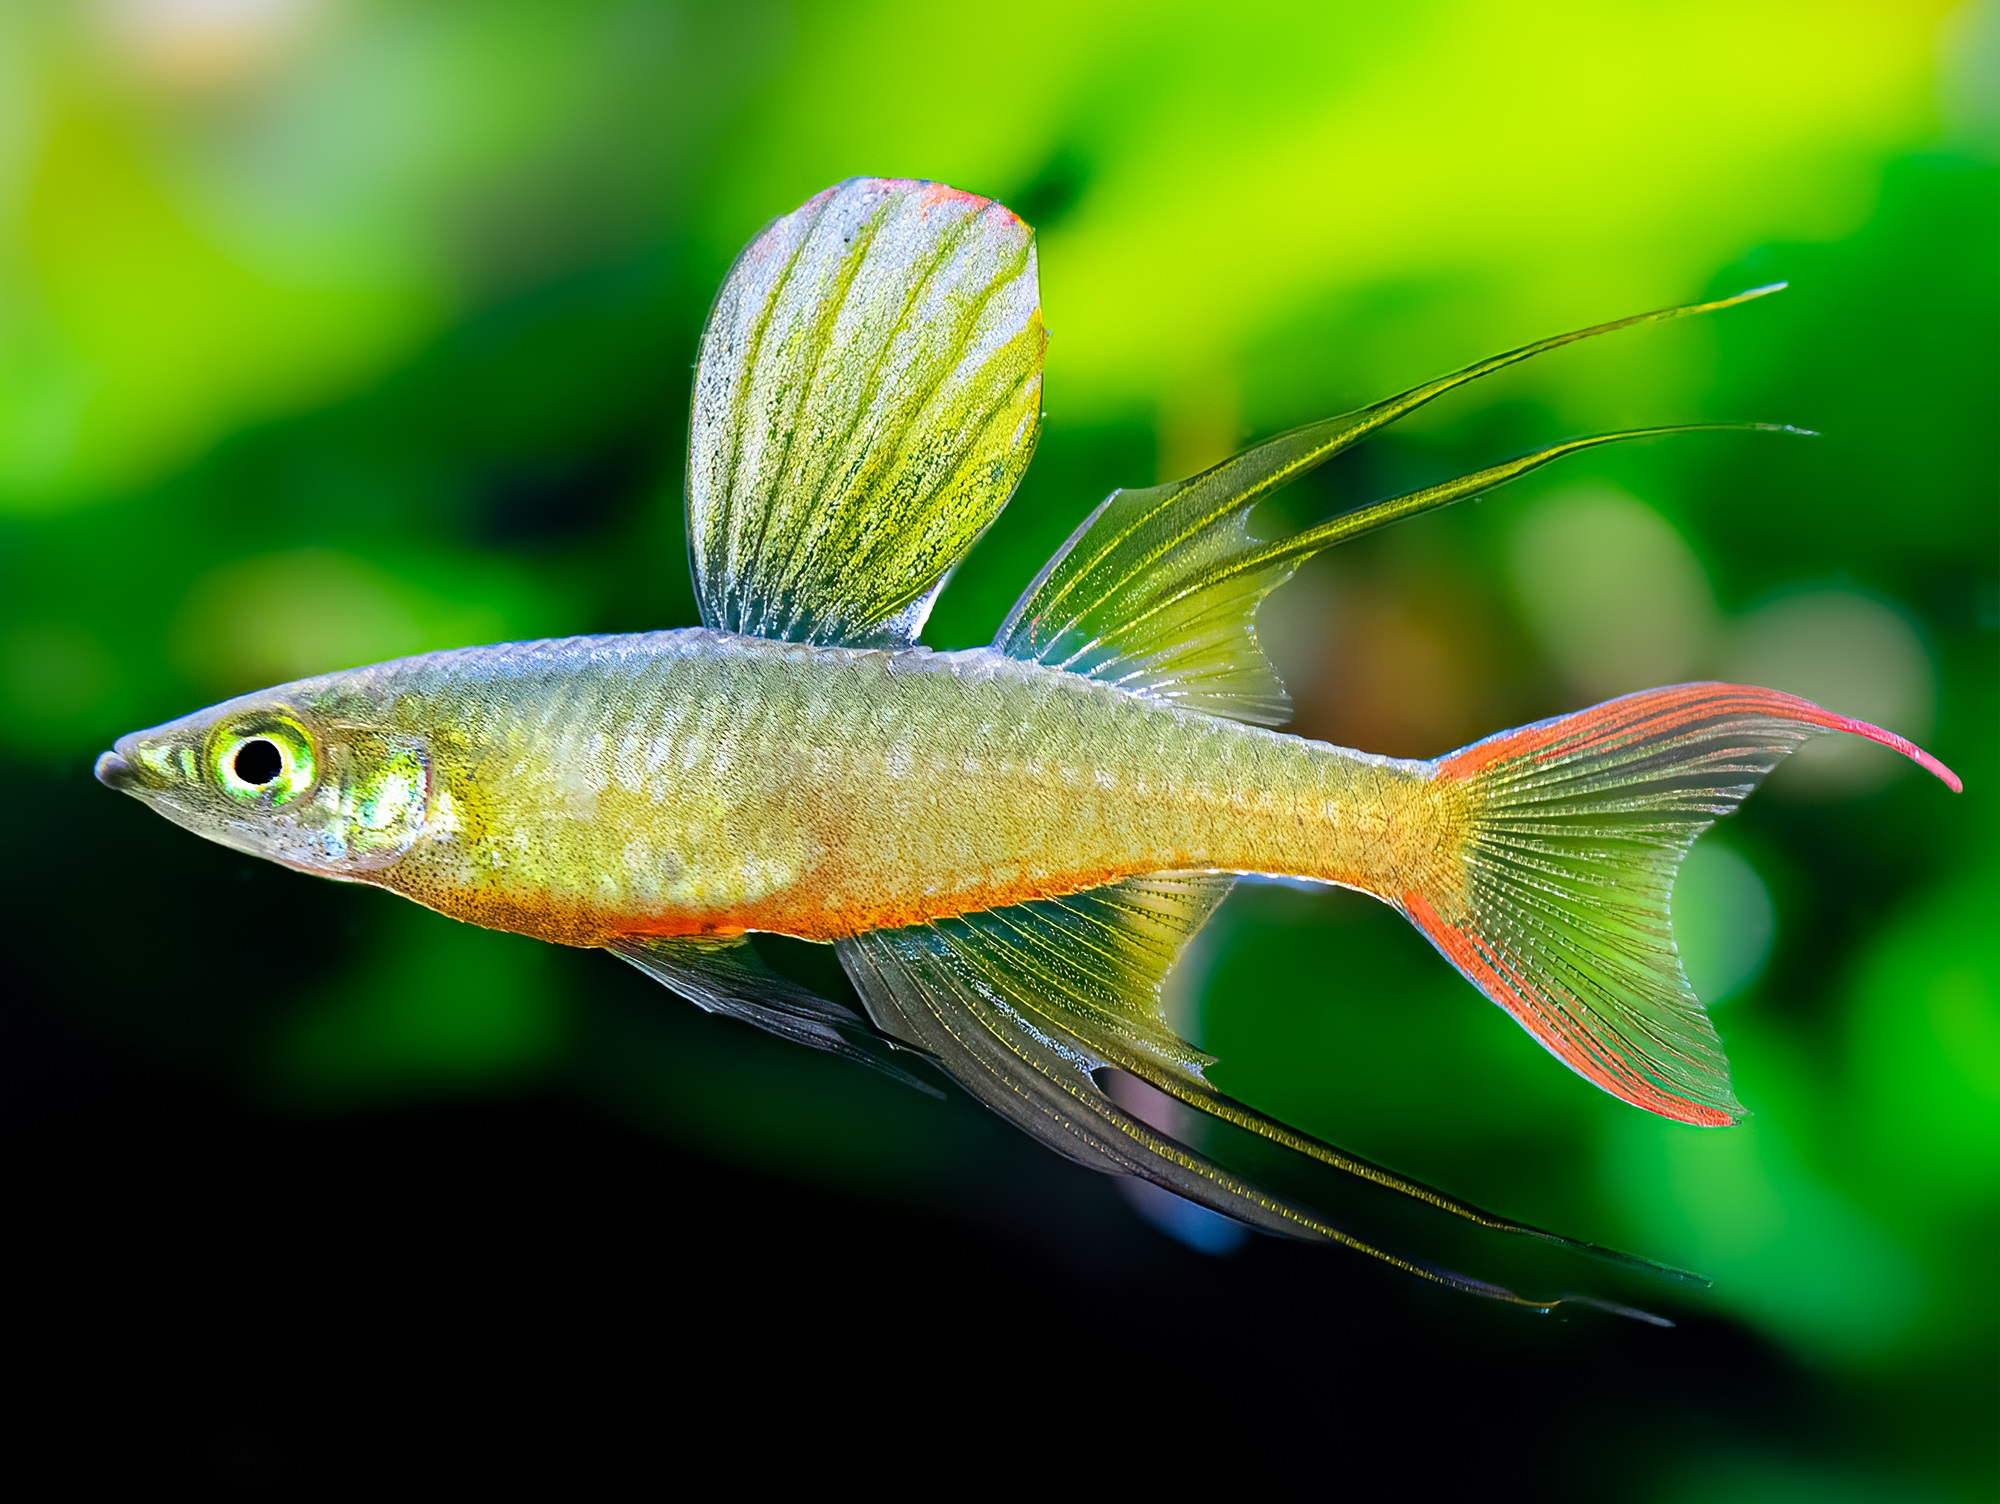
[{"x": 701, "y": 782}]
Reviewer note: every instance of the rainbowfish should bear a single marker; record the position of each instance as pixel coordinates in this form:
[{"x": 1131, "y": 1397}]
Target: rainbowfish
[{"x": 1006, "y": 846}]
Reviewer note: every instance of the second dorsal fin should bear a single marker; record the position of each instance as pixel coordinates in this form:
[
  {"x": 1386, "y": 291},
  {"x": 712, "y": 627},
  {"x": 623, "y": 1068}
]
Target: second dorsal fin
[{"x": 1158, "y": 590}]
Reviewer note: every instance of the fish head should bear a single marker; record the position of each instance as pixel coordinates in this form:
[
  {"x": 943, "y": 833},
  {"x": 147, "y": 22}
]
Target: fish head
[{"x": 303, "y": 775}]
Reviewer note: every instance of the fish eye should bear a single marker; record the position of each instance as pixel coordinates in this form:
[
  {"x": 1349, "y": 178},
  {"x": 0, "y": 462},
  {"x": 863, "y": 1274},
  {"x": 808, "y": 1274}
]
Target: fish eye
[
  {"x": 258, "y": 761},
  {"x": 270, "y": 758}
]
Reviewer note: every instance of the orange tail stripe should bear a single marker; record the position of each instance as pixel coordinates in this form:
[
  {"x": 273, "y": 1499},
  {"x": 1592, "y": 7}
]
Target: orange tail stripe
[{"x": 1662, "y": 712}]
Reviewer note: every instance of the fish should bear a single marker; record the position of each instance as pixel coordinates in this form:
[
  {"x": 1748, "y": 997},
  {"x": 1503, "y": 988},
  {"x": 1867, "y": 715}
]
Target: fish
[{"x": 1006, "y": 846}]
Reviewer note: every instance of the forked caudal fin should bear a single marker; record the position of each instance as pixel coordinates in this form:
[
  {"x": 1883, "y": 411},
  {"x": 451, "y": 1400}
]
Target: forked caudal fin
[{"x": 1573, "y": 828}]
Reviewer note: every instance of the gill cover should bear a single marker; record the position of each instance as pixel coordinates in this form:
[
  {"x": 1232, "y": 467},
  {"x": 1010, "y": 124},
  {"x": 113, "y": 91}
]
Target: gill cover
[{"x": 383, "y": 797}]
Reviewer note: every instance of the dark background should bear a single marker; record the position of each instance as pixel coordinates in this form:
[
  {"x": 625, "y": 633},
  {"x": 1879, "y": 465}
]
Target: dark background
[{"x": 333, "y": 330}]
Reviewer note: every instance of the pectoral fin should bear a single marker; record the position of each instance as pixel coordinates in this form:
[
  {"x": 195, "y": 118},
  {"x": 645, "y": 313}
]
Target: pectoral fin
[
  {"x": 867, "y": 398},
  {"x": 730, "y": 978}
]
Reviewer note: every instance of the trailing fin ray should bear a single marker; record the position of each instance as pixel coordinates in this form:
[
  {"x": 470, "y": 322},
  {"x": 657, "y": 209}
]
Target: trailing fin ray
[
  {"x": 867, "y": 398},
  {"x": 1021, "y": 1006},
  {"x": 727, "y": 976},
  {"x": 1158, "y": 589},
  {"x": 1170, "y": 607},
  {"x": 1573, "y": 829}
]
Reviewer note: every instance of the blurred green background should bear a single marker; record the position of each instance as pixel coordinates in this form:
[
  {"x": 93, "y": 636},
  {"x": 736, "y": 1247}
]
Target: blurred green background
[{"x": 332, "y": 330}]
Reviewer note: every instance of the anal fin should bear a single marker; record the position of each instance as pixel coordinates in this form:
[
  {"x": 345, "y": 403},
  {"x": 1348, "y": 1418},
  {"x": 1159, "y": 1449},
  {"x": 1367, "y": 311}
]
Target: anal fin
[{"x": 1024, "y": 1007}]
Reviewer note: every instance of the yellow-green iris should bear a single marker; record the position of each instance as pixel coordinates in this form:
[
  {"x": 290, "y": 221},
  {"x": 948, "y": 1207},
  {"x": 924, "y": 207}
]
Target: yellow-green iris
[{"x": 269, "y": 758}]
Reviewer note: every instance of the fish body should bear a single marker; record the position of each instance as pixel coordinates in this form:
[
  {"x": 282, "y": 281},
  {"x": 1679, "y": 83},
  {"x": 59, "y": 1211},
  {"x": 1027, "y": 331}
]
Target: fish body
[
  {"x": 1007, "y": 846},
  {"x": 701, "y": 782}
]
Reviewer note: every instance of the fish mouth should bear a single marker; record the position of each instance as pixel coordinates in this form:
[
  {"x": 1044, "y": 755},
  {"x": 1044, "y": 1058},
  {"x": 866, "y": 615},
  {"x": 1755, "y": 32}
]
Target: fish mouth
[
  {"x": 130, "y": 774},
  {"x": 114, "y": 772}
]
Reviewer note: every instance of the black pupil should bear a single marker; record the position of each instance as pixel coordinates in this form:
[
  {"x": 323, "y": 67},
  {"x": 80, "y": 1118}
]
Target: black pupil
[{"x": 258, "y": 762}]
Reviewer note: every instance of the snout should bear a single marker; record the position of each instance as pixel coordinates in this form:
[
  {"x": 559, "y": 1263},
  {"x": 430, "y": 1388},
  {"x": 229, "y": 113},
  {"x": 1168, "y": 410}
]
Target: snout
[{"x": 114, "y": 772}]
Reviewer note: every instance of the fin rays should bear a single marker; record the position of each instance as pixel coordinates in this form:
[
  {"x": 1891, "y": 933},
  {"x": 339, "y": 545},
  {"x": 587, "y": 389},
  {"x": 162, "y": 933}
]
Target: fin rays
[
  {"x": 1022, "y": 1005},
  {"x": 786, "y": 575},
  {"x": 730, "y": 978},
  {"x": 867, "y": 397},
  {"x": 1157, "y": 590},
  {"x": 1560, "y": 911}
]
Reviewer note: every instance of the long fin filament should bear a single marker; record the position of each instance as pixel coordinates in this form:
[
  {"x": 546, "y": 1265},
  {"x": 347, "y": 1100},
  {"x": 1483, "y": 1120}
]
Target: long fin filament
[{"x": 1157, "y": 591}]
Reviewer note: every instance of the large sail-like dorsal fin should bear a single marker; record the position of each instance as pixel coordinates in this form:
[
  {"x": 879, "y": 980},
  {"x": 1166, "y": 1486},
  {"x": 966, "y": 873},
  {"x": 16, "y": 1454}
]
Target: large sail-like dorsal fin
[
  {"x": 867, "y": 398},
  {"x": 1158, "y": 590},
  {"x": 1023, "y": 1005}
]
